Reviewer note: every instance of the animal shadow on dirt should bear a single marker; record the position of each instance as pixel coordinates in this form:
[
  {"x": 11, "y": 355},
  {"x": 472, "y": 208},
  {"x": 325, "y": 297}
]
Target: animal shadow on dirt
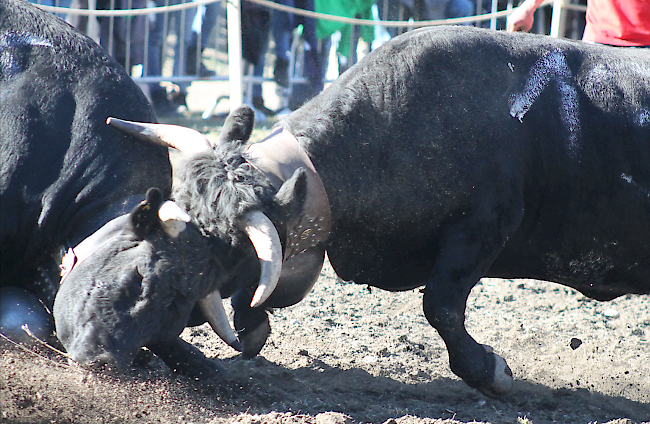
[
  {"x": 317, "y": 388},
  {"x": 37, "y": 389}
]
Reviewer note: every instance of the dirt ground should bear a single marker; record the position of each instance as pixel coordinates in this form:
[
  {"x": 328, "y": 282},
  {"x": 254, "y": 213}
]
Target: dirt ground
[{"x": 347, "y": 354}]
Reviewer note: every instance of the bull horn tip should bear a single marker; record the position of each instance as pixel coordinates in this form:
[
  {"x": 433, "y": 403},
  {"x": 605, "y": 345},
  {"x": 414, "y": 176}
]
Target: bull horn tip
[
  {"x": 108, "y": 120},
  {"x": 258, "y": 298},
  {"x": 237, "y": 346}
]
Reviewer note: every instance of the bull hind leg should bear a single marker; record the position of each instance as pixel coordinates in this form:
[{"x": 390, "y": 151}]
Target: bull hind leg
[{"x": 468, "y": 250}]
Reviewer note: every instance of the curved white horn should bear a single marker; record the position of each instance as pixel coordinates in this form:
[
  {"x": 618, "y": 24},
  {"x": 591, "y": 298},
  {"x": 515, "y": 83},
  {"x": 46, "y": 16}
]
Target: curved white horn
[
  {"x": 212, "y": 308},
  {"x": 186, "y": 140},
  {"x": 266, "y": 242}
]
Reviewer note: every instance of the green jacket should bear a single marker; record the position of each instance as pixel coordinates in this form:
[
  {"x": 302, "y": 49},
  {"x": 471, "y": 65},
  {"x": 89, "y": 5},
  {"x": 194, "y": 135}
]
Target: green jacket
[{"x": 348, "y": 9}]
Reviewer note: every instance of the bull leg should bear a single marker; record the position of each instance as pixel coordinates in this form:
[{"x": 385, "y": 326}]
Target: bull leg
[
  {"x": 467, "y": 253},
  {"x": 476, "y": 364},
  {"x": 252, "y": 324},
  {"x": 185, "y": 359}
]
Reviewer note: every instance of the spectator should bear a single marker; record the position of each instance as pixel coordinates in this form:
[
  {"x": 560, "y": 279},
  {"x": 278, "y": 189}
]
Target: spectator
[
  {"x": 123, "y": 37},
  {"x": 179, "y": 22},
  {"x": 350, "y": 35},
  {"x": 256, "y": 23},
  {"x": 612, "y": 22},
  {"x": 201, "y": 30},
  {"x": 445, "y": 9},
  {"x": 424, "y": 10},
  {"x": 316, "y": 52},
  {"x": 193, "y": 27}
]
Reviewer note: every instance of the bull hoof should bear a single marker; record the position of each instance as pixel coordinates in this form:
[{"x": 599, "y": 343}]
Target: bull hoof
[{"x": 502, "y": 378}]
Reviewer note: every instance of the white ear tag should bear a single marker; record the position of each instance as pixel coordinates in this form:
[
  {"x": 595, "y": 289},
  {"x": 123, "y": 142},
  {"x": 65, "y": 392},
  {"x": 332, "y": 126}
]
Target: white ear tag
[{"x": 173, "y": 218}]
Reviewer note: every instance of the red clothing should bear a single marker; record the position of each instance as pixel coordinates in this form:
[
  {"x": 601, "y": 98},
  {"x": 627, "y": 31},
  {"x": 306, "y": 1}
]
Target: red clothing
[{"x": 618, "y": 22}]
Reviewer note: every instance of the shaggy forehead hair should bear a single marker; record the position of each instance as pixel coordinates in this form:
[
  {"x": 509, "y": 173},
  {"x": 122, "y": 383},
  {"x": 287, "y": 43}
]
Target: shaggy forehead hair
[{"x": 219, "y": 187}]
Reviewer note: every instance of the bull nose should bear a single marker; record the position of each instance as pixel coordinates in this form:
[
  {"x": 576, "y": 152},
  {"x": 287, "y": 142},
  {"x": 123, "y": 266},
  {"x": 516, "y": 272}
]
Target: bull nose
[
  {"x": 105, "y": 364},
  {"x": 103, "y": 361}
]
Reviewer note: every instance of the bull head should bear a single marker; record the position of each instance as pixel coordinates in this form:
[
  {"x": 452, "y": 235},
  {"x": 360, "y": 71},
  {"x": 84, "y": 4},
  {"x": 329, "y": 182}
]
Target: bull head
[
  {"x": 206, "y": 170},
  {"x": 258, "y": 227},
  {"x": 131, "y": 283},
  {"x": 268, "y": 190}
]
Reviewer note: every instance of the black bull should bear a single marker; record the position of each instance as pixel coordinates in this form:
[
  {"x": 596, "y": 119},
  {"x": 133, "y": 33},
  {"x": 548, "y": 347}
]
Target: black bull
[
  {"x": 450, "y": 154},
  {"x": 134, "y": 269},
  {"x": 64, "y": 172}
]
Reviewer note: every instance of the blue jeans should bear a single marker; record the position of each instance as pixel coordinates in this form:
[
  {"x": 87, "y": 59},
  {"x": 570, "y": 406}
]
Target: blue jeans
[
  {"x": 316, "y": 51},
  {"x": 59, "y": 3},
  {"x": 443, "y": 9}
]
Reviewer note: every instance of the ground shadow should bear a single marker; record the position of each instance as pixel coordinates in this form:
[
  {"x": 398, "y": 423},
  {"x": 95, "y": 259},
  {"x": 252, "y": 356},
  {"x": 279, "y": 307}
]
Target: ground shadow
[
  {"x": 34, "y": 389},
  {"x": 367, "y": 398}
]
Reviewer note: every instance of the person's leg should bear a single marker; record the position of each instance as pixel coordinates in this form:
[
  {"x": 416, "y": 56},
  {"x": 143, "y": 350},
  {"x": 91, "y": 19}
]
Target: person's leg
[
  {"x": 460, "y": 8},
  {"x": 203, "y": 23},
  {"x": 258, "y": 99},
  {"x": 183, "y": 28},
  {"x": 315, "y": 61},
  {"x": 258, "y": 66},
  {"x": 209, "y": 21},
  {"x": 389, "y": 10},
  {"x": 282, "y": 27},
  {"x": 136, "y": 35},
  {"x": 158, "y": 30},
  {"x": 156, "y": 39}
]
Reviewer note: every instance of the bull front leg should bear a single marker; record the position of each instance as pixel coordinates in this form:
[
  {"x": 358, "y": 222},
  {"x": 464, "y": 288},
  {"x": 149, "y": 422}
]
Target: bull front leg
[
  {"x": 252, "y": 324},
  {"x": 185, "y": 359},
  {"x": 469, "y": 248},
  {"x": 476, "y": 364},
  {"x": 299, "y": 274}
]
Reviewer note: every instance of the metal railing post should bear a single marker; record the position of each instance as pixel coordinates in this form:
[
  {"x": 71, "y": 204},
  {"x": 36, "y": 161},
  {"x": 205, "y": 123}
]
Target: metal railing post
[{"x": 557, "y": 19}]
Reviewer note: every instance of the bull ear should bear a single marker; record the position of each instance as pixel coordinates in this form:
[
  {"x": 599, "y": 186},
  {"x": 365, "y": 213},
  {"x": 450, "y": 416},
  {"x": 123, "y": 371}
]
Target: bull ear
[
  {"x": 291, "y": 196},
  {"x": 152, "y": 214},
  {"x": 144, "y": 217},
  {"x": 239, "y": 125}
]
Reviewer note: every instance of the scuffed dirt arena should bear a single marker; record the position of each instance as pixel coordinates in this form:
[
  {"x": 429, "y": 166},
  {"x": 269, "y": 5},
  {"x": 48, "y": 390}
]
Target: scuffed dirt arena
[{"x": 347, "y": 354}]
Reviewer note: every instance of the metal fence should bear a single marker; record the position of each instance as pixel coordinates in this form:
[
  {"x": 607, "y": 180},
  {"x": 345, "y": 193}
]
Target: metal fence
[{"x": 188, "y": 40}]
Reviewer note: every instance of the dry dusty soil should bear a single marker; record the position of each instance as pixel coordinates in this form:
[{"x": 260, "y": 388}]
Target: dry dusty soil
[{"x": 347, "y": 354}]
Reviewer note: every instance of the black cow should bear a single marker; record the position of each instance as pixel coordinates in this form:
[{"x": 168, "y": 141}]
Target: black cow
[
  {"x": 447, "y": 155},
  {"x": 135, "y": 270},
  {"x": 64, "y": 172}
]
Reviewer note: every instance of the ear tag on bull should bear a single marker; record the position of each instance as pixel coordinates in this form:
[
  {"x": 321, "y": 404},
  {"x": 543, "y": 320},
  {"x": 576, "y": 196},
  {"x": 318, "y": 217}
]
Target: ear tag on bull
[{"x": 173, "y": 218}]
